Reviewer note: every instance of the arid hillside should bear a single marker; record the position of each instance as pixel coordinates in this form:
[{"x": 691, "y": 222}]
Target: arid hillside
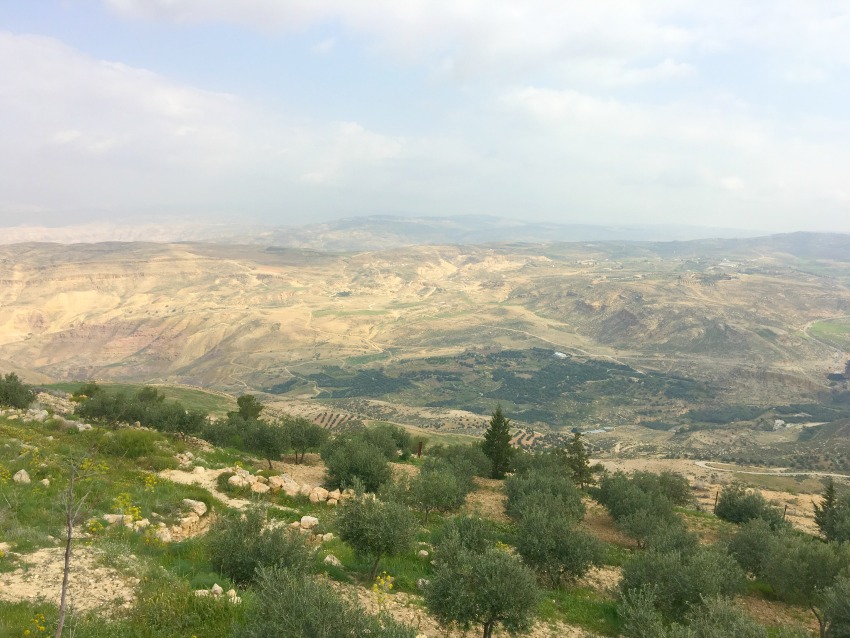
[{"x": 743, "y": 316}]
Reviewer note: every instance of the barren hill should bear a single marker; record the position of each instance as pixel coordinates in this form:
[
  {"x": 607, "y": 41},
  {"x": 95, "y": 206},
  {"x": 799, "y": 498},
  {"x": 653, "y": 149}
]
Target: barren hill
[{"x": 734, "y": 313}]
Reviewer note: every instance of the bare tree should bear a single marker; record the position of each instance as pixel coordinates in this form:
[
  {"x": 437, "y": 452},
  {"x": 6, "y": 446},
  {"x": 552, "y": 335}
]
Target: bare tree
[{"x": 79, "y": 469}]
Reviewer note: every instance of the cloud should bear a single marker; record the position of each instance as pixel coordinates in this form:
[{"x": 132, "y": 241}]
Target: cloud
[{"x": 87, "y": 134}]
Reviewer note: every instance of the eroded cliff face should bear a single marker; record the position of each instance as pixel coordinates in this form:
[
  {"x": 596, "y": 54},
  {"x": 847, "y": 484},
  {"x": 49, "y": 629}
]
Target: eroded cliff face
[{"x": 233, "y": 315}]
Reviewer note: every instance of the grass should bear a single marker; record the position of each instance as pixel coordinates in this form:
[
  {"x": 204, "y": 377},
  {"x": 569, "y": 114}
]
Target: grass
[
  {"x": 790, "y": 484},
  {"x": 835, "y": 332},
  {"x": 583, "y": 607}
]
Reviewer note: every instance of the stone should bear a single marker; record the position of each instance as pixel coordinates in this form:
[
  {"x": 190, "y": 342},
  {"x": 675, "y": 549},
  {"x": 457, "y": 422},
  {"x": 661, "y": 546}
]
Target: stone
[
  {"x": 305, "y": 490},
  {"x": 118, "y": 519},
  {"x": 241, "y": 471},
  {"x": 21, "y": 476},
  {"x": 336, "y": 494},
  {"x": 332, "y": 501},
  {"x": 260, "y": 488},
  {"x": 216, "y": 590},
  {"x": 5, "y": 548},
  {"x": 291, "y": 488},
  {"x": 261, "y": 479},
  {"x": 318, "y": 495},
  {"x": 326, "y": 538},
  {"x": 141, "y": 524},
  {"x": 45, "y": 482},
  {"x": 198, "y": 470},
  {"x": 309, "y": 522},
  {"x": 200, "y": 593},
  {"x": 295, "y": 525},
  {"x": 276, "y": 483},
  {"x": 199, "y": 507},
  {"x": 163, "y": 534},
  {"x": 332, "y": 560},
  {"x": 83, "y": 427},
  {"x": 231, "y": 593},
  {"x": 238, "y": 481},
  {"x": 188, "y": 523},
  {"x": 423, "y": 553}
]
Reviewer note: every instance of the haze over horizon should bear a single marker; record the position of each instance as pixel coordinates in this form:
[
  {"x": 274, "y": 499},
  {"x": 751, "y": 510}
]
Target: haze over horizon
[{"x": 276, "y": 113}]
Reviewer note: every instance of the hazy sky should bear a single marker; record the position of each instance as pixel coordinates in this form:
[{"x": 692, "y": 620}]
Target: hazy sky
[{"x": 721, "y": 113}]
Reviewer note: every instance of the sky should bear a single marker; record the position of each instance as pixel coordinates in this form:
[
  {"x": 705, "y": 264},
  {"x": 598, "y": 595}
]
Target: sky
[{"x": 724, "y": 113}]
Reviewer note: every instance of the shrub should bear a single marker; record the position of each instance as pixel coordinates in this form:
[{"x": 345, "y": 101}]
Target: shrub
[
  {"x": 394, "y": 441},
  {"x": 297, "y": 606},
  {"x": 376, "y": 529},
  {"x": 681, "y": 580},
  {"x": 348, "y": 460},
  {"x": 266, "y": 439},
  {"x": 130, "y": 443},
  {"x": 737, "y": 504},
  {"x": 543, "y": 487},
  {"x": 238, "y": 544},
  {"x": 14, "y": 392}
]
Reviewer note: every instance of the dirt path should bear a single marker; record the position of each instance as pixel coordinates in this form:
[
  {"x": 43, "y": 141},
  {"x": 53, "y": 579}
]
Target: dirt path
[{"x": 707, "y": 465}]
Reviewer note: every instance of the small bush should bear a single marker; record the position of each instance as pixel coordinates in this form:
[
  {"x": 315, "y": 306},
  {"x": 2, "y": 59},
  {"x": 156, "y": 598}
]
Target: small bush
[
  {"x": 130, "y": 443},
  {"x": 737, "y": 504},
  {"x": 239, "y": 545},
  {"x": 14, "y": 392},
  {"x": 298, "y": 606},
  {"x": 752, "y": 546}
]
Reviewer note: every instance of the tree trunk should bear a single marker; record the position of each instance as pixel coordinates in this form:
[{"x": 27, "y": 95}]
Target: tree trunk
[
  {"x": 69, "y": 528},
  {"x": 488, "y": 629},
  {"x": 270, "y": 464},
  {"x": 427, "y": 513},
  {"x": 374, "y": 571}
]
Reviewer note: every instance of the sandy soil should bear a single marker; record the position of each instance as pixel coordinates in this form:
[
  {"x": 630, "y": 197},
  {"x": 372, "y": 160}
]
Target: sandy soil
[{"x": 91, "y": 585}]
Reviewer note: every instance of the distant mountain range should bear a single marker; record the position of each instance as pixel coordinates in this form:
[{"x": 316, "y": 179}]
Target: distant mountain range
[{"x": 367, "y": 233}]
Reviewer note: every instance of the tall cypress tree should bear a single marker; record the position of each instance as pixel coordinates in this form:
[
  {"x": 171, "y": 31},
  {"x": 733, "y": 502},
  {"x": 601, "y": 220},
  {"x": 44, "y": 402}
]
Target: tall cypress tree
[
  {"x": 825, "y": 512},
  {"x": 578, "y": 461},
  {"x": 497, "y": 444}
]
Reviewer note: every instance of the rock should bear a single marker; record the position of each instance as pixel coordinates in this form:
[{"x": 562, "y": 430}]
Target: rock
[
  {"x": 305, "y": 490},
  {"x": 142, "y": 524},
  {"x": 260, "y": 488},
  {"x": 198, "y": 470},
  {"x": 45, "y": 482},
  {"x": 216, "y": 590},
  {"x": 336, "y": 494},
  {"x": 232, "y": 597},
  {"x": 189, "y": 456},
  {"x": 231, "y": 593},
  {"x": 261, "y": 479},
  {"x": 163, "y": 534},
  {"x": 423, "y": 553},
  {"x": 241, "y": 471},
  {"x": 199, "y": 507},
  {"x": 332, "y": 560},
  {"x": 21, "y": 476},
  {"x": 83, "y": 427},
  {"x": 326, "y": 538},
  {"x": 202, "y": 592},
  {"x": 295, "y": 525},
  {"x": 276, "y": 483},
  {"x": 291, "y": 488},
  {"x": 332, "y": 501},
  {"x": 318, "y": 495},
  {"x": 238, "y": 481},
  {"x": 309, "y": 522},
  {"x": 118, "y": 519},
  {"x": 187, "y": 524},
  {"x": 5, "y": 548}
]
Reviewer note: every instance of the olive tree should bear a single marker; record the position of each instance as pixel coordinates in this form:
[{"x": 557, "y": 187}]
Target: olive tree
[
  {"x": 376, "y": 529},
  {"x": 303, "y": 436},
  {"x": 486, "y": 589},
  {"x": 549, "y": 543},
  {"x": 435, "y": 488}
]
